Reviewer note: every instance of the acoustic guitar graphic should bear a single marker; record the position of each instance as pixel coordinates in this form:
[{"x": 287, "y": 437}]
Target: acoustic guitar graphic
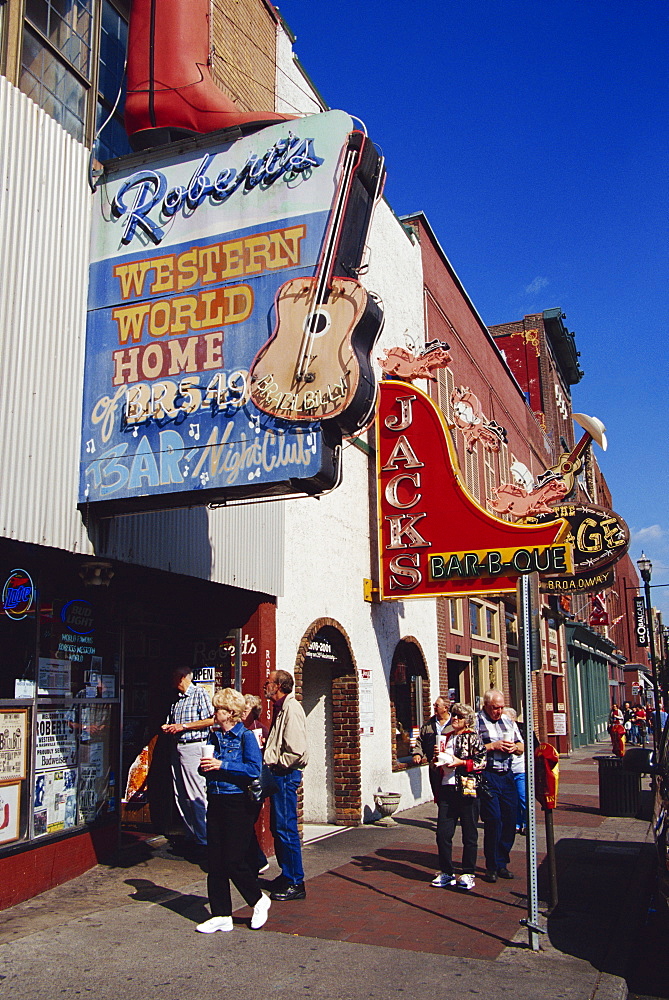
[{"x": 316, "y": 365}]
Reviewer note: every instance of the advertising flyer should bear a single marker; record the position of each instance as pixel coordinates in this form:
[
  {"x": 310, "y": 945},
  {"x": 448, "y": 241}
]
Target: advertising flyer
[
  {"x": 55, "y": 801},
  {"x": 54, "y": 677},
  {"x": 56, "y": 745},
  {"x": 10, "y": 812},
  {"x": 89, "y": 797},
  {"x": 13, "y": 743}
]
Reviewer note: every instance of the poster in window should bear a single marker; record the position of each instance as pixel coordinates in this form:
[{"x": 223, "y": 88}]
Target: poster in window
[
  {"x": 55, "y": 801},
  {"x": 89, "y": 797},
  {"x": 13, "y": 744},
  {"x": 56, "y": 745},
  {"x": 560, "y": 723},
  {"x": 54, "y": 677},
  {"x": 366, "y": 701},
  {"x": 10, "y": 812}
]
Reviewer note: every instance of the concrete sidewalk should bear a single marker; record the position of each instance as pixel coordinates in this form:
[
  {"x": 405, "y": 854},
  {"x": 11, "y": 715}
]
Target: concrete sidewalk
[{"x": 372, "y": 925}]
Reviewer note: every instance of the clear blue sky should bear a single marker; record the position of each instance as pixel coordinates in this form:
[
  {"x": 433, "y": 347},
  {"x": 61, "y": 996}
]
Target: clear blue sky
[{"x": 534, "y": 135}]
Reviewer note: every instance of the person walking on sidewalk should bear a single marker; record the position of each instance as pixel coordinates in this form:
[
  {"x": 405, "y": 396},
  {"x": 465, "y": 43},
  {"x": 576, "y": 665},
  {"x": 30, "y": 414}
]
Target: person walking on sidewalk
[
  {"x": 231, "y": 760},
  {"x": 190, "y": 713},
  {"x": 499, "y": 798},
  {"x": 286, "y": 756},
  {"x": 430, "y": 732},
  {"x": 461, "y": 758}
]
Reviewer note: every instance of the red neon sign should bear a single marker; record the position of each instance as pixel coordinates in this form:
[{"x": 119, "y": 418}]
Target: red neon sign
[{"x": 435, "y": 539}]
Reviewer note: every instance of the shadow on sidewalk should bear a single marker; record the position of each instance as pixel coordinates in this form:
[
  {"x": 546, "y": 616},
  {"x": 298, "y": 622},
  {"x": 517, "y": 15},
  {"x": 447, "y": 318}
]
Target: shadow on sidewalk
[
  {"x": 603, "y": 892},
  {"x": 187, "y": 905}
]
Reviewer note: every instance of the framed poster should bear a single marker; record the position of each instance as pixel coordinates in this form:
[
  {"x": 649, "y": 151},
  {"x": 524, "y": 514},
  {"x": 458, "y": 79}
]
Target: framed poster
[
  {"x": 10, "y": 812},
  {"x": 13, "y": 743}
]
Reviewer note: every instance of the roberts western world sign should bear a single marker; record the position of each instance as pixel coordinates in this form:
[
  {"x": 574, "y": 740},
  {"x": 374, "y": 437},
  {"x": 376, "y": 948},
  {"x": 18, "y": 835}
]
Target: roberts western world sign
[
  {"x": 190, "y": 248},
  {"x": 435, "y": 539}
]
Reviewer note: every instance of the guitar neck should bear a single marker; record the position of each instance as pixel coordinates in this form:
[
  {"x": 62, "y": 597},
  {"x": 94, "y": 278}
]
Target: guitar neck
[
  {"x": 567, "y": 464},
  {"x": 328, "y": 256}
]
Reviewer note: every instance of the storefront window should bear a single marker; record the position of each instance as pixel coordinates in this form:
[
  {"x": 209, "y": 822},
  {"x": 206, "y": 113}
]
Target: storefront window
[
  {"x": 409, "y": 696},
  {"x": 475, "y": 618},
  {"x": 59, "y": 688}
]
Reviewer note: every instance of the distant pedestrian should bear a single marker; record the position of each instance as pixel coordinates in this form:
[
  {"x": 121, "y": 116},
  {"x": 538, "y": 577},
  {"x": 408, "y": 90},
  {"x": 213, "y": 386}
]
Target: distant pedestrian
[
  {"x": 286, "y": 755},
  {"x": 190, "y": 714},
  {"x": 251, "y": 719},
  {"x": 616, "y": 717},
  {"x": 499, "y": 797},
  {"x": 641, "y": 722},
  {"x": 461, "y": 757},
  {"x": 430, "y": 731},
  {"x": 628, "y": 722},
  {"x": 518, "y": 771},
  {"x": 232, "y": 759}
]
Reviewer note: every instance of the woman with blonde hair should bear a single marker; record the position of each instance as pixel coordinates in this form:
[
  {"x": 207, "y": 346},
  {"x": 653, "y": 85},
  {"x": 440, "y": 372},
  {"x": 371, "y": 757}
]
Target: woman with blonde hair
[
  {"x": 461, "y": 755},
  {"x": 231, "y": 760}
]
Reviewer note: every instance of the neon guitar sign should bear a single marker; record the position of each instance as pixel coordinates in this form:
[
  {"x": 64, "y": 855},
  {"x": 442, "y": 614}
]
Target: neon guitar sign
[{"x": 316, "y": 365}]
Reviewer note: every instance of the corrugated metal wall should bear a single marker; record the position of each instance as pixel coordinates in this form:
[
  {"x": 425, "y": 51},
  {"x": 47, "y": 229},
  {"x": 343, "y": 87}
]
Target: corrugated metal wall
[{"x": 44, "y": 231}]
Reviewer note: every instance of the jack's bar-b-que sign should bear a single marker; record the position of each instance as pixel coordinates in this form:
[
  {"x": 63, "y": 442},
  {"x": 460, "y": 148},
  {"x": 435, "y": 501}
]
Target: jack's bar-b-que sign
[
  {"x": 194, "y": 246},
  {"x": 435, "y": 540}
]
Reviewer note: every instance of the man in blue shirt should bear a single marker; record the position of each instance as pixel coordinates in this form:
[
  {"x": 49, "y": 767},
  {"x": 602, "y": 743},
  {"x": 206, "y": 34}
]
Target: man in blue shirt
[{"x": 499, "y": 797}]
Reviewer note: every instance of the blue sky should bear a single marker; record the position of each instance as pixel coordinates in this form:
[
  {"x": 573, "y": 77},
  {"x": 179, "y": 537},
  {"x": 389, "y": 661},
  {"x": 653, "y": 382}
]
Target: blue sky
[{"x": 535, "y": 137}]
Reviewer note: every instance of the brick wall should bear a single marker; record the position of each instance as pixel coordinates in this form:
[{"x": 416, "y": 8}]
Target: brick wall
[
  {"x": 345, "y": 725},
  {"x": 244, "y": 61}
]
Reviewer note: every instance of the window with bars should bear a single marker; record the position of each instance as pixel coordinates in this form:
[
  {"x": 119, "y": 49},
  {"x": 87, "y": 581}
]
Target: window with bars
[
  {"x": 72, "y": 62},
  {"x": 489, "y": 475},
  {"x": 504, "y": 464},
  {"x": 472, "y": 472},
  {"x": 445, "y": 386}
]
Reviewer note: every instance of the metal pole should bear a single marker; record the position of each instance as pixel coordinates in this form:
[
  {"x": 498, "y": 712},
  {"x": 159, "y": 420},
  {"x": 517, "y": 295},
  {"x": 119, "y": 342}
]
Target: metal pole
[
  {"x": 238, "y": 659},
  {"x": 653, "y": 662},
  {"x": 526, "y": 622}
]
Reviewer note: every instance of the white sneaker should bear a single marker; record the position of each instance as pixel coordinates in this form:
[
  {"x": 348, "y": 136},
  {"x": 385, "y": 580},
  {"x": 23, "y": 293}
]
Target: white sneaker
[
  {"x": 466, "y": 882},
  {"x": 442, "y": 881},
  {"x": 260, "y": 912},
  {"x": 215, "y": 924}
]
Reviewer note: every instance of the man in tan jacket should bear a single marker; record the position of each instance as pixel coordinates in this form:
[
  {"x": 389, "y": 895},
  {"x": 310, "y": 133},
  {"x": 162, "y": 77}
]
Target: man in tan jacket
[{"x": 286, "y": 756}]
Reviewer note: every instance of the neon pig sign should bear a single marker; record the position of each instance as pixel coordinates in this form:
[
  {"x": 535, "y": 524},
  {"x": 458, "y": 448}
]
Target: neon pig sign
[{"x": 435, "y": 540}]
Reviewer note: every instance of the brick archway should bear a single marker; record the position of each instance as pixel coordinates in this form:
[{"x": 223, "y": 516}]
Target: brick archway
[{"x": 345, "y": 720}]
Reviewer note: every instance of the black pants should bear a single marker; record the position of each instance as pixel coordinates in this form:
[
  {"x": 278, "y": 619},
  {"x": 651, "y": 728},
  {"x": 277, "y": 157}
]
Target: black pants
[
  {"x": 230, "y": 820},
  {"x": 453, "y": 807}
]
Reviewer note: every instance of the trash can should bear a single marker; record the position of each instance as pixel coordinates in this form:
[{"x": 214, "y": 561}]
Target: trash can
[{"x": 619, "y": 790}]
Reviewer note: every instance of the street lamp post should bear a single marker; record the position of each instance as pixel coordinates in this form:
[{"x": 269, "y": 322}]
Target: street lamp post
[{"x": 646, "y": 569}]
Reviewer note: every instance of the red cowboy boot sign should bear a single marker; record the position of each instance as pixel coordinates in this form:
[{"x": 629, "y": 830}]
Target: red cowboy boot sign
[{"x": 435, "y": 539}]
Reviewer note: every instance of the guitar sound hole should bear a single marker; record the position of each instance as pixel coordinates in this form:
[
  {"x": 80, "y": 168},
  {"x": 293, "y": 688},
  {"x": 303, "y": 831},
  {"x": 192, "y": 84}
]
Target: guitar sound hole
[{"x": 317, "y": 323}]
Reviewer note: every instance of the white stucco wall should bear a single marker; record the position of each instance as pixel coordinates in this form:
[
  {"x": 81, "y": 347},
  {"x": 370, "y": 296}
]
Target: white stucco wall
[{"x": 328, "y": 550}]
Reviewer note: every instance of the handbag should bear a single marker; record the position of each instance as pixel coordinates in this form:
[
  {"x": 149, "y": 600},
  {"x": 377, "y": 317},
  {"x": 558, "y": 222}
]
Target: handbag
[{"x": 259, "y": 788}]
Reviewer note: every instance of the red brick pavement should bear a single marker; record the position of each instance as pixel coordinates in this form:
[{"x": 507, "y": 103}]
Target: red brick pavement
[{"x": 385, "y": 898}]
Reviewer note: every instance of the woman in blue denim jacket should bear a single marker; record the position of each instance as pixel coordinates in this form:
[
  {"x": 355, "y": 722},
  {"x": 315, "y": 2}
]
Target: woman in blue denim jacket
[{"x": 231, "y": 760}]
